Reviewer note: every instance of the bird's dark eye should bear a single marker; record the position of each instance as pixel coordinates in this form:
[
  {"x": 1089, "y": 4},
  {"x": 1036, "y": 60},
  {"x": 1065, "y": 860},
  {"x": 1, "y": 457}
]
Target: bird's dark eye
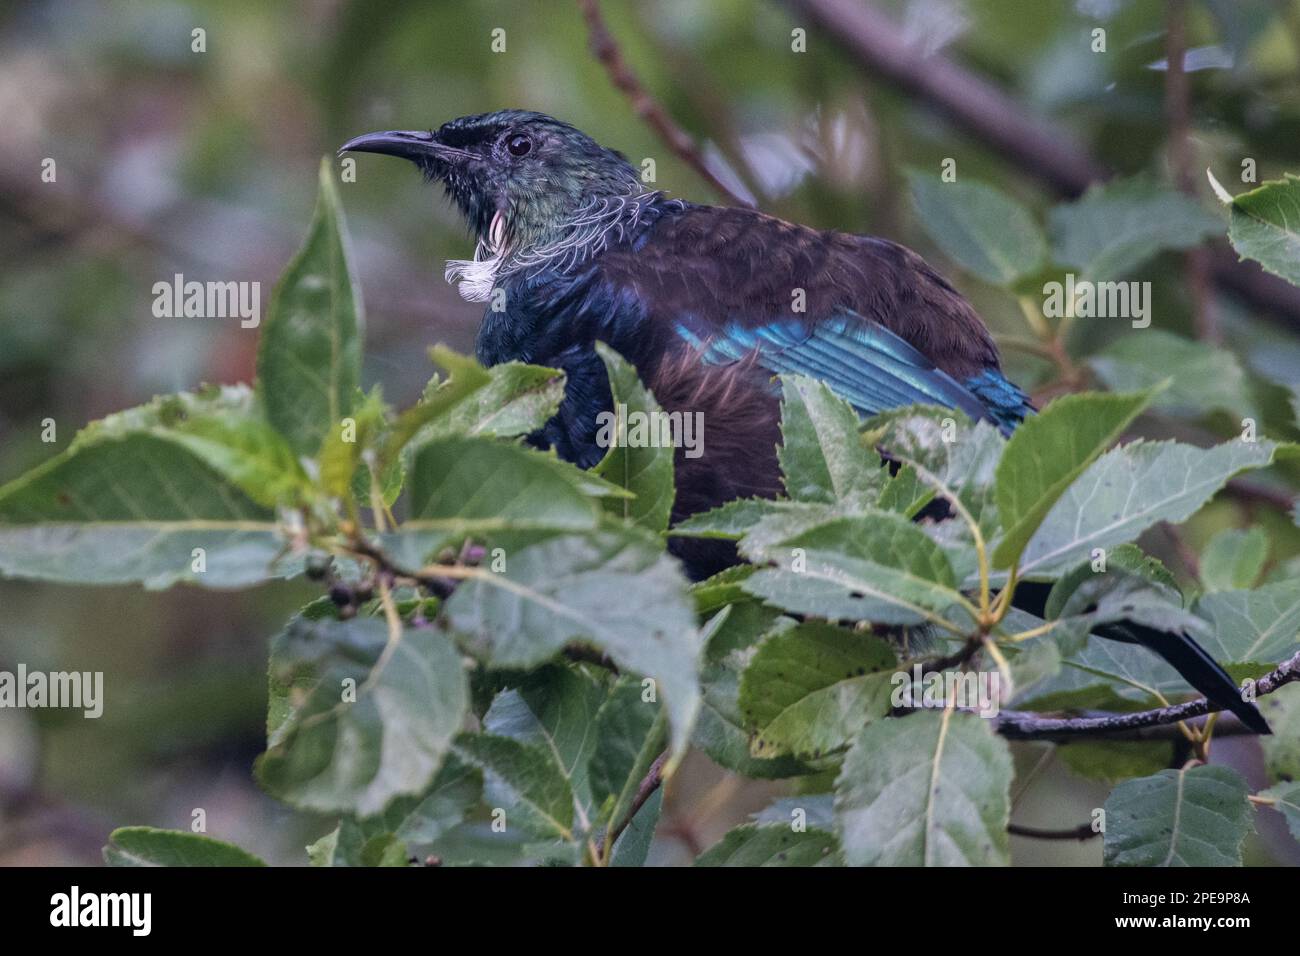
[{"x": 519, "y": 145}]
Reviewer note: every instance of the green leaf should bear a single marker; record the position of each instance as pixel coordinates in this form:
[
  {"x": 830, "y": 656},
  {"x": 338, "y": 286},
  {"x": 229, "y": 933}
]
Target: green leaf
[
  {"x": 424, "y": 818},
  {"x": 644, "y": 467},
  {"x": 1282, "y": 750},
  {"x": 1131, "y": 488},
  {"x": 1257, "y": 625},
  {"x": 734, "y": 519},
  {"x": 772, "y": 844},
  {"x": 730, "y": 638},
  {"x": 225, "y": 428},
  {"x": 309, "y": 357},
  {"x": 614, "y": 589},
  {"x": 723, "y": 588},
  {"x": 523, "y": 780},
  {"x": 149, "y": 846},
  {"x": 876, "y": 567},
  {"x": 462, "y": 487},
  {"x": 928, "y": 789},
  {"x": 518, "y": 399},
  {"x": 633, "y": 844},
  {"x": 467, "y": 378},
  {"x": 822, "y": 456},
  {"x": 905, "y": 493},
  {"x": 1265, "y": 226},
  {"x": 1189, "y": 817},
  {"x": 340, "y": 452},
  {"x": 629, "y": 735},
  {"x": 980, "y": 227},
  {"x": 1110, "y": 761},
  {"x": 553, "y": 709},
  {"x": 349, "y": 844},
  {"x": 810, "y": 688},
  {"x": 1234, "y": 559},
  {"x": 1286, "y": 801},
  {"x": 1203, "y": 377},
  {"x": 1126, "y": 561},
  {"x": 375, "y": 725},
  {"x": 1047, "y": 453},
  {"x": 1118, "y": 226},
  {"x": 130, "y": 509}
]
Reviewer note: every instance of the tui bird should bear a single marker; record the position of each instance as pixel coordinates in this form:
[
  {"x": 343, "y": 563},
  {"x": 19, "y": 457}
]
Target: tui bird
[{"x": 704, "y": 301}]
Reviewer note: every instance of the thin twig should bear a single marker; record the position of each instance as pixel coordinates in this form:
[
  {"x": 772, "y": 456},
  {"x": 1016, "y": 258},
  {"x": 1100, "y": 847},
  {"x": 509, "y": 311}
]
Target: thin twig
[
  {"x": 1083, "y": 831},
  {"x": 649, "y": 784},
  {"x": 1034, "y": 145},
  {"x": 1178, "y": 112},
  {"x": 1019, "y": 725},
  {"x": 605, "y": 48}
]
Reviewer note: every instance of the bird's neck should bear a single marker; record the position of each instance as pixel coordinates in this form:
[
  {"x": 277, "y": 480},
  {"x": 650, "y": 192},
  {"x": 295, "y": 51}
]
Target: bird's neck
[{"x": 518, "y": 244}]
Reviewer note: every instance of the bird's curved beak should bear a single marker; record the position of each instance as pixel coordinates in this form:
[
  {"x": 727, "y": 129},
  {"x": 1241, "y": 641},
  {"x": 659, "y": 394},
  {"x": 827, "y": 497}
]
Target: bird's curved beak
[{"x": 415, "y": 145}]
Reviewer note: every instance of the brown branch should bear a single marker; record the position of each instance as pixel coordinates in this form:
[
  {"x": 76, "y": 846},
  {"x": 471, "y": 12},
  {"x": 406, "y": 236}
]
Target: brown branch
[
  {"x": 1083, "y": 831},
  {"x": 649, "y": 784},
  {"x": 605, "y": 48},
  {"x": 1020, "y": 725},
  {"x": 437, "y": 585},
  {"x": 1035, "y": 145},
  {"x": 1178, "y": 111}
]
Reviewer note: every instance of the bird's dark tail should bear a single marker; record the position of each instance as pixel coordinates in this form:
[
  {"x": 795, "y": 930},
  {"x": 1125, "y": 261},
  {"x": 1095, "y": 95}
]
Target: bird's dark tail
[
  {"x": 1195, "y": 665},
  {"x": 1182, "y": 653}
]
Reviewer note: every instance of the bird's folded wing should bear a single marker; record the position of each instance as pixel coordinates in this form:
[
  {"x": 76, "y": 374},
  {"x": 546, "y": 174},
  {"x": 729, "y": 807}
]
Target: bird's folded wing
[{"x": 861, "y": 361}]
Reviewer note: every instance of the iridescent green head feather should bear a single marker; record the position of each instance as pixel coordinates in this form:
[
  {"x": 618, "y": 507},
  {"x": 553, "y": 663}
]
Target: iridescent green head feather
[{"x": 533, "y": 170}]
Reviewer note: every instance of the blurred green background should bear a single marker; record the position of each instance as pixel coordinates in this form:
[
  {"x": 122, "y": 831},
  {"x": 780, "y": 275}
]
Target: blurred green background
[{"x": 171, "y": 161}]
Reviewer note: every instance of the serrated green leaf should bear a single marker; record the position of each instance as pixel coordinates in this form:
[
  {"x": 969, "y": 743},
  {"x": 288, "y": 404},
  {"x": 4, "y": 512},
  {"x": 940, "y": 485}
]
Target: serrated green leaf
[
  {"x": 476, "y": 487},
  {"x": 1125, "y": 560},
  {"x": 629, "y": 735},
  {"x": 349, "y": 844},
  {"x": 518, "y": 399},
  {"x": 810, "y": 688},
  {"x": 1282, "y": 750},
  {"x": 822, "y": 456},
  {"x": 731, "y": 637},
  {"x": 523, "y": 780},
  {"x": 1203, "y": 377},
  {"x": 340, "y": 451},
  {"x": 1265, "y": 226},
  {"x": 614, "y": 589},
  {"x": 1286, "y": 801},
  {"x": 1047, "y": 453},
  {"x": 633, "y": 844},
  {"x": 928, "y": 789},
  {"x": 554, "y": 709},
  {"x": 309, "y": 356},
  {"x": 1118, "y": 226},
  {"x": 150, "y": 846},
  {"x": 1260, "y": 625},
  {"x": 644, "y": 467},
  {"x": 374, "y": 726},
  {"x": 424, "y": 818},
  {"x": 1234, "y": 559},
  {"x": 772, "y": 844},
  {"x": 980, "y": 227},
  {"x": 133, "y": 509},
  {"x": 734, "y": 519},
  {"x": 876, "y": 567},
  {"x": 1129, "y": 489},
  {"x": 1190, "y": 817}
]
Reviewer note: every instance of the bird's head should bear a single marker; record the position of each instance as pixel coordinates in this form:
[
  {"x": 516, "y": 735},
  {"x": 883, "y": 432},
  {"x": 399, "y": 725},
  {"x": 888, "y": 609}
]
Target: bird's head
[{"x": 517, "y": 176}]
